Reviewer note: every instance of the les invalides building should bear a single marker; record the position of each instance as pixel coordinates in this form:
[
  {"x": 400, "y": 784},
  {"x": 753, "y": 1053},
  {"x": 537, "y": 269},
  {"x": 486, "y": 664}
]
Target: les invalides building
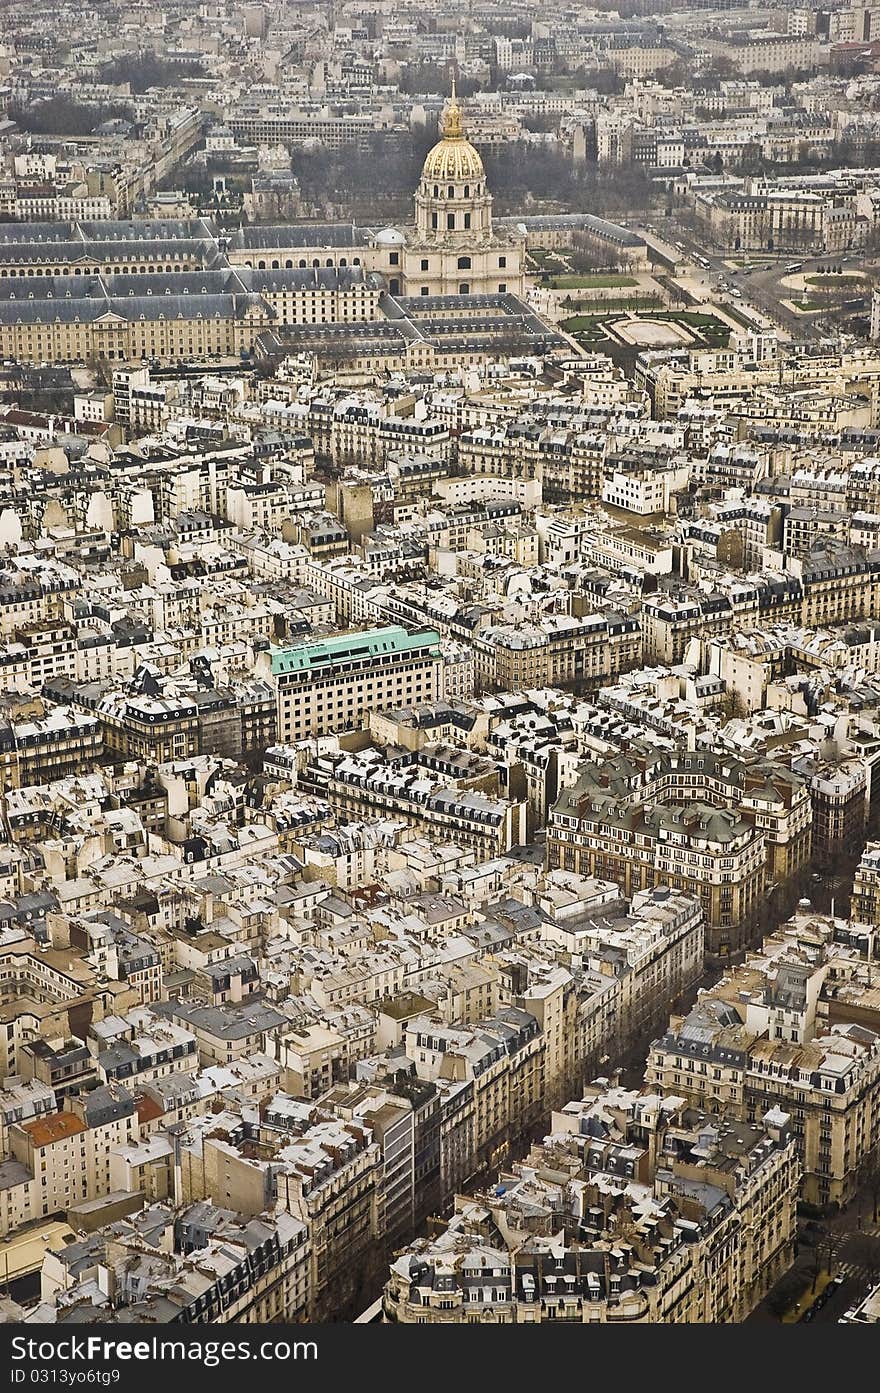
[{"x": 452, "y": 249}]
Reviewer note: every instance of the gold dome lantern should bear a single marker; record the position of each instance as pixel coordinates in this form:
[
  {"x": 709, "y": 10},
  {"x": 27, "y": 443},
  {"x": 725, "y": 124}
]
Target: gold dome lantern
[{"x": 453, "y": 157}]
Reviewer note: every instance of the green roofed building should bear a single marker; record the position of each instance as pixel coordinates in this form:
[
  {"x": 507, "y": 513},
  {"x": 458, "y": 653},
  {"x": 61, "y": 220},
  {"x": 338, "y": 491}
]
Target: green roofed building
[{"x": 330, "y": 684}]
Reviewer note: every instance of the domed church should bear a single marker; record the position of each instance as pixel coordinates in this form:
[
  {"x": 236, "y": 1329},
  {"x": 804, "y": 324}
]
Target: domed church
[{"x": 452, "y": 250}]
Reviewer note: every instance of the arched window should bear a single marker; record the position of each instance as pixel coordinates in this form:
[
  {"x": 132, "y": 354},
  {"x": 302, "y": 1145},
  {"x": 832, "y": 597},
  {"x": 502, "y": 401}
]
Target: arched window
[
  {"x": 467, "y": 190},
  {"x": 436, "y": 190},
  {"x": 464, "y": 263},
  {"x": 464, "y": 288},
  {"x": 302, "y": 263},
  {"x": 288, "y": 265}
]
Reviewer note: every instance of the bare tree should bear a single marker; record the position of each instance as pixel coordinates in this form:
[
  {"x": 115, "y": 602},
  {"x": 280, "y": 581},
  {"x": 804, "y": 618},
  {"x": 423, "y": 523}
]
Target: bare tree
[
  {"x": 869, "y": 1179},
  {"x": 822, "y": 1254}
]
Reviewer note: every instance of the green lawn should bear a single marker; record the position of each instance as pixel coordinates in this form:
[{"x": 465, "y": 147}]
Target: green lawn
[
  {"x": 831, "y": 282},
  {"x": 695, "y": 318},
  {"x": 714, "y": 331},
  {"x": 545, "y": 256},
  {"x": 588, "y": 282},
  {"x": 588, "y": 327},
  {"x": 607, "y": 309}
]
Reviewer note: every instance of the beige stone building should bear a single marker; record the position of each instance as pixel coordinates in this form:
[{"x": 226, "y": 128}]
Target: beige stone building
[
  {"x": 560, "y": 650},
  {"x": 761, "y": 1038},
  {"x": 197, "y": 1266},
  {"x": 715, "y": 828},
  {"x": 68, "y": 1153},
  {"x": 844, "y": 373},
  {"x": 366, "y": 785},
  {"x": 866, "y": 886},
  {"x": 502, "y": 1063},
  {"x": 828, "y": 1084},
  {"x": 212, "y": 313},
  {"x": 48, "y": 996},
  {"x": 331, "y": 1180}
]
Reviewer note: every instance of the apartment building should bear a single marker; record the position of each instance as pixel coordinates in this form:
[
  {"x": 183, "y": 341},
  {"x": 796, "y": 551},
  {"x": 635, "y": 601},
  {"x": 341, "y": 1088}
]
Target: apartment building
[
  {"x": 831, "y": 585},
  {"x": 839, "y": 788},
  {"x": 436, "y": 801},
  {"x": 53, "y": 745},
  {"x": 655, "y": 951},
  {"x": 199, "y": 1265},
  {"x": 773, "y": 1033},
  {"x": 150, "y": 727},
  {"x": 670, "y": 379},
  {"x": 67, "y": 1154},
  {"x": 865, "y": 905},
  {"x": 643, "y": 490},
  {"x": 23, "y": 1102},
  {"x": 228, "y": 1032},
  {"x": 331, "y": 1180},
  {"x": 560, "y": 650},
  {"x": 687, "y": 821},
  {"x": 47, "y": 995},
  {"x": 503, "y": 1062},
  {"x": 829, "y": 1084},
  {"x": 141, "y": 1048}
]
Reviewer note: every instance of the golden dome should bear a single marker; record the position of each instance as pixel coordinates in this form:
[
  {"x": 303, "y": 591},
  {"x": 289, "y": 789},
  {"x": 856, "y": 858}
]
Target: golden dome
[{"x": 453, "y": 157}]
